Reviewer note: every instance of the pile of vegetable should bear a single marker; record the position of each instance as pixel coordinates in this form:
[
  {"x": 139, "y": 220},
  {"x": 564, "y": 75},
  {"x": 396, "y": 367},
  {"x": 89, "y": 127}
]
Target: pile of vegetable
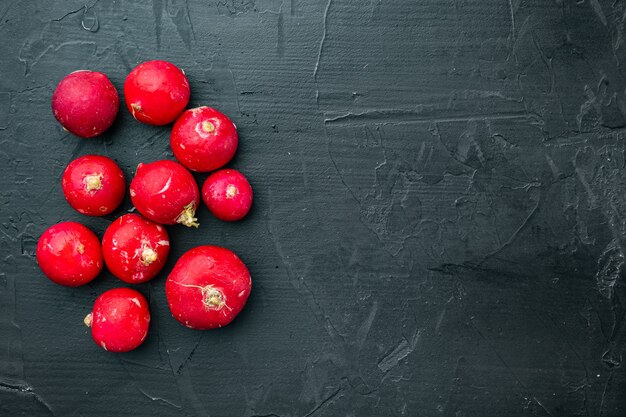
[{"x": 209, "y": 285}]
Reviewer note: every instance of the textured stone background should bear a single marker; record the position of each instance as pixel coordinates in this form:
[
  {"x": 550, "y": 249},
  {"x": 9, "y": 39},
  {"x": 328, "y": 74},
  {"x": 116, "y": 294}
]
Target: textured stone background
[{"x": 439, "y": 223}]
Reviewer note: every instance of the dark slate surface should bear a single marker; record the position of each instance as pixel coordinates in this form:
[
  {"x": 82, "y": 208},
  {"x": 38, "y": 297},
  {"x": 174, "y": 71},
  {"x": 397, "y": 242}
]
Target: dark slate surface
[{"x": 439, "y": 223}]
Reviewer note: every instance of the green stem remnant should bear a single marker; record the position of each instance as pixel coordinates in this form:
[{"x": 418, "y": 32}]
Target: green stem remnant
[
  {"x": 187, "y": 216},
  {"x": 148, "y": 255},
  {"x": 93, "y": 182},
  {"x": 208, "y": 127},
  {"x": 212, "y": 298},
  {"x": 231, "y": 191}
]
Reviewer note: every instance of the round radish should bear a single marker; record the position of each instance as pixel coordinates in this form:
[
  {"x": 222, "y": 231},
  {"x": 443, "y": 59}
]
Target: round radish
[
  {"x": 156, "y": 92},
  {"x": 207, "y": 288},
  {"x": 203, "y": 139},
  {"x": 135, "y": 249},
  {"x": 119, "y": 320},
  {"x": 165, "y": 192},
  {"x": 227, "y": 194},
  {"x": 69, "y": 254},
  {"x": 85, "y": 103},
  {"x": 93, "y": 185}
]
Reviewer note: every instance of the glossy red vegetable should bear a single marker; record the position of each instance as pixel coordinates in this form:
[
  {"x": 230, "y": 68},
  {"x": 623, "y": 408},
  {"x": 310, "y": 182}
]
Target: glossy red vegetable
[
  {"x": 69, "y": 254},
  {"x": 85, "y": 103},
  {"x": 156, "y": 92},
  {"x": 135, "y": 249},
  {"x": 203, "y": 139},
  {"x": 228, "y": 194},
  {"x": 165, "y": 192},
  {"x": 119, "y": 320},
  {"x": 208, "y": 287},
  {"x": 93, "y": 185}
]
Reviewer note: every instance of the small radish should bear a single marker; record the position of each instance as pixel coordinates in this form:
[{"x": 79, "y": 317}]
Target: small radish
[
  {"x": 69, "y": 254},
  {"x": 203, "y": 139},
  {"x": 165, "y": 192},
  {"x": 119, "y": 320},
  {"x": 93, "y": 185},
  {"x": 135, "y": 249},
  {"x": 85, "y": 103},
  {"x": 207, "y": 288},
  {"x": 156, "y": 92},
  {"x": 227, "y": 194}
]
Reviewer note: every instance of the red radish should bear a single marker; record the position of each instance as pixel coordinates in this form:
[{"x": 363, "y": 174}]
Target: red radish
[
  {"x": 227, "y": 194},
  {"x": 207, "y": 288},
  {"x": 203, "y": 139},
  {"x": 85, "y": 103},
  {"x": 135, "y": 249},
  {"x": 119, "y": 320},
  {"x": 93, "y": 185},
  {"x": 156, "y": 92},
  {"x": 165, "y": 192},
  {"x": 69, "y": 254}
]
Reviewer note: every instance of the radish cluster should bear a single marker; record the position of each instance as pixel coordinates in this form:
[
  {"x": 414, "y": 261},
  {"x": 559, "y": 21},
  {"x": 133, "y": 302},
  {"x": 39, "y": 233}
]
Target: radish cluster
[{"x": 209, "y": 285}]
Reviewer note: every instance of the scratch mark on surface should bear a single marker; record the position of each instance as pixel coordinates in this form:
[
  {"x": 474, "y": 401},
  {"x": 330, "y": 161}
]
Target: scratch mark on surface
[
  {"x": 188, "y": 358},
  {"x": 400, "y": 352},
  {"x": 179, "y": 15},
  {"x": 8, "y": 9},
  {"x": 163, "y": 400},
  {"x": 555, "y": 170},
  {"x": 364, "y": 329},
  {"x": 193, "y": 32},
  {"x": 593, "y": 200},
  {"x": 442, "y": 314},
  {"x": 144, "y": 365},
  {"x": 186, "y": 390},
  {"x": 589, "y": 105},
  {"x": 508, "y": 367},
  {"x": 542, "y": 406},
  {"x": 562, "y": 336},
  {"x": 29, "y": 64},
  {"x": 415, "y": 116},
  {"x": 133, "y": 382},
  {"x": 27, "y": 389},
  {"x": 82, "y": 9},
  {"x": 467, "y": 143},
  {"x": 330, "y": 155},
  {"x": 68, "y": 14},
  {"x": 182, "y": 378},
  {"x": 305, "y": 176},
  {"x": 609, "y": 268},
  {"x": 323, "y": 403},
  {"x": 28, "y": 90},
  {"x": 319, "y": 53},
  {"x": 321, "y": 48},
  {"x": 604, "y": 391},
  {"x": 548, "y": 64},
  {"x": 298, "y": 283},
  {"x": 598, "y": 10},
  {"x": 280, "y": 37},
  {"x": 512, "y": 21},
  {"x": 435, "y": 132},
  {"x": 5, "y": 108},
  {"x": 330, "y": 328},
  {"x": 513, "y": 236},
  {"x": 157, "y": 9},
  {"x": 232, "y": 76}
]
